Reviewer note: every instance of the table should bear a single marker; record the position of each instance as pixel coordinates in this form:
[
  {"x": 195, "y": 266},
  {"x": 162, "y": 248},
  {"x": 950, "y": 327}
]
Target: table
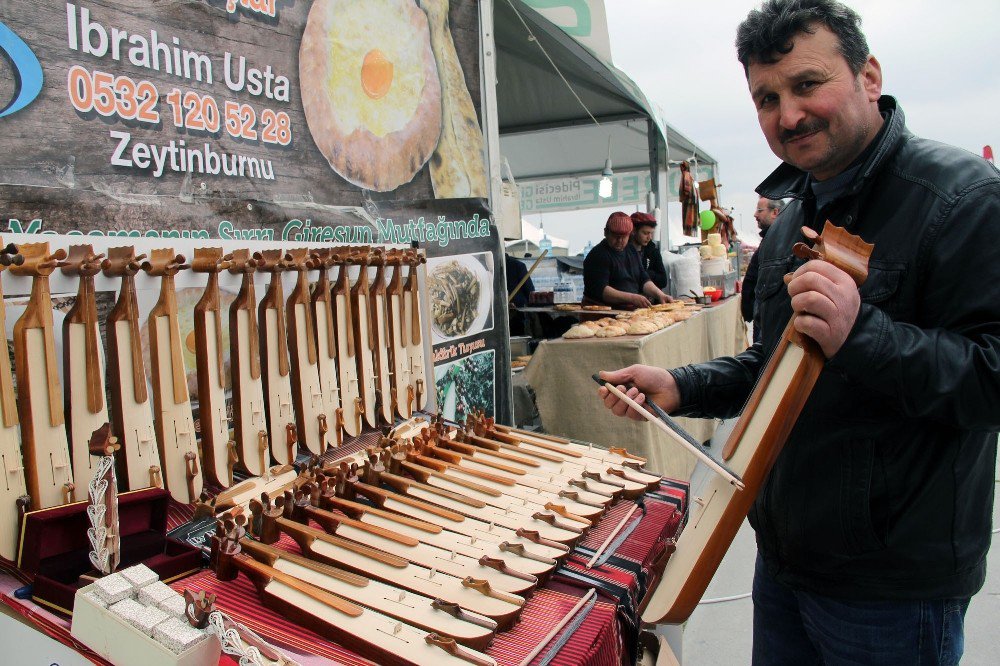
[{"x": 560, "y": 374}]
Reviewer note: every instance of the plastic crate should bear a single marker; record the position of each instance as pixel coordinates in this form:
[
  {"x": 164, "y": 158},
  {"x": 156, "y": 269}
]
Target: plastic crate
[{"x": 725, "y": 282}]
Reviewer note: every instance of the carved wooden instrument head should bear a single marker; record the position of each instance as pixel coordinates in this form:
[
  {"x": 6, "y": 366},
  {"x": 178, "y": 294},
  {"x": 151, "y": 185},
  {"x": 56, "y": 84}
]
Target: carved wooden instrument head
[
  {"x": 209, "y": 260},
  {"x": 9, "y": 255},
  {"x": 272, "y": 261},
  {"x": 37, "y": 260},
  {"x": 164, "y": 263},
  {"x": 298, "y": 259},
  {"x": 240, "y": 261},
  {"x": 122, "y": 261},
  {"x": 82, "y": 261},
  {"x": 839, "y": 247}
]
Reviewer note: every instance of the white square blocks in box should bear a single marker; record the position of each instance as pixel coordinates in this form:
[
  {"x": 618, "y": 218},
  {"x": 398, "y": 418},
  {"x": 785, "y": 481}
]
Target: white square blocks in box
[
  {"x": 123, "y": 645},
  {"x": 173, "y": 605},
  {"x": 140, "y": 576},
  {"x": 112, "y": 589},
  {"x": 154, "y": 593}
]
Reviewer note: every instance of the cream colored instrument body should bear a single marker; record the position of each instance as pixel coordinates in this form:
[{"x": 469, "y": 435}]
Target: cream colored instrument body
[
  {"x": 326, "y": 351},
  {"x": 375, "y": 628},
  {"x": 347, "y": 345},
  {"x": 248, "y": 393},
  {"x": 363, "y": 345},
  {"x": 541, "y": 483},
  {"x": 12, "y": 485},
  {"x": 383, "y": 371},
  {"x": 309, "y": 402},
  {"x": 134, "y": 420},
  {"x": 82, "y": 421},
  {"x": 402, "y": 381},
  {"x": 212, "y": 414},
  {"x": 273, "y": 483},
  {"x": 278, "y": 384},
  {"x": 415, "y": 347}
]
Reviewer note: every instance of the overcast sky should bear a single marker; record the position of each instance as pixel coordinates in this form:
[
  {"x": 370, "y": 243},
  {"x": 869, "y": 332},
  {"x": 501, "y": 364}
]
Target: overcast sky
[{"x": 941, "y": 60}]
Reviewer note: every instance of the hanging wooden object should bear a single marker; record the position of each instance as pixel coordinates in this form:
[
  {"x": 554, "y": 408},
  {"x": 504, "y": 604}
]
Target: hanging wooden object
[
  {"x": 403, "y": 391},
  {"x": 175, "y": 434},
  {"x": 249, "y": 416},
  {"x": 307, "y": 394},
  {"x": 104, "y": 533},
  {"x": 412, "y": 319},
  {"x": 364, "y": 341},
  {"x": 326, "y": 345},
  {"x": 13, "y": 491},
  {"x": 718, "y": 509},
  {"x": 131, "y": 409},
  {"x": 49, "y": 476},
  {"x": 381, "y": 347},
  {"x": 274, "y": 358},
  {"x": 83, "y": 363},
  {"x": 218, "y": 449},
  {"x": 347, "y": 346}
]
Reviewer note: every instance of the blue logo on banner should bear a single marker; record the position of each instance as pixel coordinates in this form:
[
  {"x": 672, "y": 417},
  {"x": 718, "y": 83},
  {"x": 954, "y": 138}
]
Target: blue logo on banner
[{"x": 27, "y": 71}]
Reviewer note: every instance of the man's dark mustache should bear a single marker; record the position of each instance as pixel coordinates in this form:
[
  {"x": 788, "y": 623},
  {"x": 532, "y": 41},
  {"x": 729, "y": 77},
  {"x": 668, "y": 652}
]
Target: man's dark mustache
[{"x": 802, "y": 129}]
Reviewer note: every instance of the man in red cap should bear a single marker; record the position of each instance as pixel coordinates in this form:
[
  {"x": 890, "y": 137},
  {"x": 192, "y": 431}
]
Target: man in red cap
[
  {"x": 613, "y": 272},
  {"x": 643, "y": 228}
]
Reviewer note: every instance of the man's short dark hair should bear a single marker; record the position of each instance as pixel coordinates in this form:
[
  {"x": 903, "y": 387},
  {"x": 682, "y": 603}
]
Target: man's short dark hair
[{"x": 767, "y": 33}]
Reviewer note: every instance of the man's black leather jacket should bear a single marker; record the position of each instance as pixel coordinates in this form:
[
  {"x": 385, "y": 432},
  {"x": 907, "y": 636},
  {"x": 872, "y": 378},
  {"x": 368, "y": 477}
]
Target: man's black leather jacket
[{"x": 885, "y": 487}]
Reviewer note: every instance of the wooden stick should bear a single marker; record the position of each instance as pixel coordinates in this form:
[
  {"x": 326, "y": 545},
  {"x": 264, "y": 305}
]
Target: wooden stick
[
  {"x": 527, "y": 275},
  {"x": 618, "y": 528},
  {"x": 708, "y": 460},
  {"x": 559, "y": 627}
]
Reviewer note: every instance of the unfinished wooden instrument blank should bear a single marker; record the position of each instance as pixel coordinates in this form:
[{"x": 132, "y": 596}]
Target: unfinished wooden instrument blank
[
  {"x": 307, "y": 393},
  {"x": 249, "y": 416},
  {"x": 347, "y": 346},
  {"x": 274, "y": 358},
  {"x": 49, "y": 476},
  {"x": 326, "y": 344},
  {"x": 364, "y": 342},
  {"x": 403, "y": 391},
  {"x": 218, "y": 450},
  {"x": 83, "y": 363},
  {"x": 718, "y": 509},
  {"x": 381, "y": 347},
  {"x": 131, "y": 409},
  {"x": 174, "y": 421},
  {"x": 412, "y": 319},
  {"x": 13, "y": 491}
]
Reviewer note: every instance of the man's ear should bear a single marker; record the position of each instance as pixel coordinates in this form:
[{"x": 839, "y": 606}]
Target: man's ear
[{"x": 870, "y": 78}]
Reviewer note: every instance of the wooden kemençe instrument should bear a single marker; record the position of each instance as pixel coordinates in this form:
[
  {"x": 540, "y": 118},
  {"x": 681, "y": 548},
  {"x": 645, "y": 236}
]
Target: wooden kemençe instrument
[
  {"x": 104, "y": 533},
  {"x": 13, "y": 491},
  {"x": 83, "y": 363},
  {"x": 249, "y": 415},
  {"x": 274, "y": 357},
  {"x": 307, "y": 394},
  {"x": 131, "y": 410},
  {"x": 777, "y": 400},
  {"x": 412, "y": 319},
  {"x": 217, "y": 448},
  {"x": 326, "y": 344},
  {"x": 174, "y": 422},
  {"x": 381, "y": 348},
  {"x": 404, "y": 393},
  {"x": 49, "y": 476},
  {"x": 347, "y": 347},
  {"x": 364, "y": 340}
]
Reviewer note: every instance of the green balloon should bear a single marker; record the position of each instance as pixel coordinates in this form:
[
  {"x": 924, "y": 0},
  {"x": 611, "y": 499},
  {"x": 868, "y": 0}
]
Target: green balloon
[{"x": 707, "y": 219}]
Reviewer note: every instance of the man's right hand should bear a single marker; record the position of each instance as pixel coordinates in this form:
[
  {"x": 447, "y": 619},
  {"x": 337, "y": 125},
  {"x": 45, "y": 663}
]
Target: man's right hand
[
  {"x": 648, "y": 383},
  {"x": 639, "y": 301}
]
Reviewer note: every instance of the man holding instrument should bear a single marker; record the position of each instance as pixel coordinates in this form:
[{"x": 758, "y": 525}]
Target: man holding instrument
[{"x": 874, "y": 523}]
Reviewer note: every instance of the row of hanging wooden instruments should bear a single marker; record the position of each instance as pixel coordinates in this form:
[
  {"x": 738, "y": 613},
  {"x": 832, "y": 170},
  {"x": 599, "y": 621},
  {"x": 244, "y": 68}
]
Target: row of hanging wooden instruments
[
  {"x": 428, "y": 544},
  {"x": 337, "y": 354}
]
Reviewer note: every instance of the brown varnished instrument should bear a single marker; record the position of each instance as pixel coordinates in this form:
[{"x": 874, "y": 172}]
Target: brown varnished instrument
[
  {"x": 174, "y": 421},
  {"x": 249, "y": 416},
  {"x": 718, "y": 509},
  {"x": 13, "y": 491},
  {"x": 347, "y": 347},
  {"x": 131, "y": 410},
  {"x": 364, "y": 336},
  {"x": 403, "y": 391},
  {"x": 83, "y": 363},
  {"x": 49, "y": 476},
  {"x": 274, "y": 356},
  {"x": 307, "y": 396},
  {"x": 381, "y": 347},
  {"x": 412, "y": 320},
  {"x": 217, "y": 448},
  {"x": 326, "y": 344}
]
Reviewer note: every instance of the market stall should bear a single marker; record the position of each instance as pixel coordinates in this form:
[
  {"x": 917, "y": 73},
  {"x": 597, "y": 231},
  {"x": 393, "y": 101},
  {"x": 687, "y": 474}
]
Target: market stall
[{"x": 560, "y": 373}]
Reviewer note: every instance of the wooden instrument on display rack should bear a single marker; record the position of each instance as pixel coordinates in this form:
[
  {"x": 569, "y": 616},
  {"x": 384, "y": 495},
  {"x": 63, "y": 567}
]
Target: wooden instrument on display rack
[
  {"x": 326, "y": 344},
  {"x": 249, "y": 418},
  {"x": 218, "y": 450},
  {"x": 776, "y": 402},
  {"x": 174, "y": 421},
  {"x": 411, "y": 317},
  {"x": 347, "y": 346},
  {"x": 274, "y": 358},
  {"x": 130, "y": 405},
  {"x": 83, "y": 363},
  {"x": 307, "y": 395},
  {"x": 364, "y": 342},
  {"x": 13, "y": 491},
  {"x": 381, "y": 351},
  {"x": 49, "y": 476},
  {"x": 403, "y": 392}
]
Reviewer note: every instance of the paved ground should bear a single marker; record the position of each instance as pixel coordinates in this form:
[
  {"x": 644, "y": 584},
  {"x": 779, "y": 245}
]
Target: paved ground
[{"x": 719, "y": 634}]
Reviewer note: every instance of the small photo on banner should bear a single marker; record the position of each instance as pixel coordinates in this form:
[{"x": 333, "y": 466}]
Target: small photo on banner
[
  {"x": 461, "y": 295},
  {"x": 467, "y": 385}
]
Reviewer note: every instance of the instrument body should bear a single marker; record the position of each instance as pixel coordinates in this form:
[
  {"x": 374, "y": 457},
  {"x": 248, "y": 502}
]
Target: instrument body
[
  {"x": 403, "y": 391},
  {"x": 310, "y": 417},
  {"x": 381, "y": 352},
  {"x": 364, "y": 341},
  {"x": 249, "y": 414},
  {"x": 131, "y": 409},
  {"x": 12, "y": 486},
  {"x": 274, "y": 357},
  {"x": 347, "y": 345},
  {"x": 326, "y": 344},
  {"x": 412, "y": 320}
]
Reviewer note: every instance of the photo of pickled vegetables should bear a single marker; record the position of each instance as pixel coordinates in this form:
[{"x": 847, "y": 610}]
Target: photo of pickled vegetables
[{"x": 460, "y": 293}]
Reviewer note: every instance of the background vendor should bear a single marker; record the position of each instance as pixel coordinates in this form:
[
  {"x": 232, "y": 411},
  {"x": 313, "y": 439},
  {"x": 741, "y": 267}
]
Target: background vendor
[
  {"x": 643, "y": 228},
  {"x": 613, "y": 273}
]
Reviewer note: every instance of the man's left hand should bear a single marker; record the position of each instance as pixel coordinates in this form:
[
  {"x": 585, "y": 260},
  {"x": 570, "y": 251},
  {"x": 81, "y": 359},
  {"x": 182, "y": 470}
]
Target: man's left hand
[{"x": 826, "y": 302}]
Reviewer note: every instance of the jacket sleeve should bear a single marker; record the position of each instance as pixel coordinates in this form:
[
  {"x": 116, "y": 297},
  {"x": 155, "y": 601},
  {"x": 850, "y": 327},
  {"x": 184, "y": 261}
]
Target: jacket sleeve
[
  {"x": 946, "y": 366},
  {"x": 719, "y": 388},
  {"x": 747, "y": 296},
  {"x": 657, "y": 273},
  {"x": 596, "y": 275}
]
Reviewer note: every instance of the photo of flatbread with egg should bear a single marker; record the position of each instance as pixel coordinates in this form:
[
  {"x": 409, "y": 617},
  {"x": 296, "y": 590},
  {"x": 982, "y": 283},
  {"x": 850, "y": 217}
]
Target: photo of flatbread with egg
[{"x": 370, "y": 89}]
